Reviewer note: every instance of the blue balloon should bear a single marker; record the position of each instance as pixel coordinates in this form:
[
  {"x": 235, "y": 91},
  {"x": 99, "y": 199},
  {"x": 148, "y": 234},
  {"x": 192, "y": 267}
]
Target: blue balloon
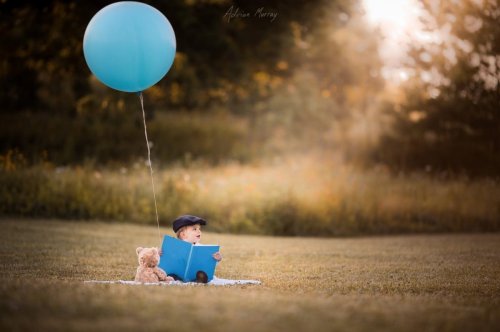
[{"x": 129, "y": 46}]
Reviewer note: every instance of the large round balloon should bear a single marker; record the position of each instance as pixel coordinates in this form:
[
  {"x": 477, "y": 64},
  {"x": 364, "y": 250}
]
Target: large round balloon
[{"x": 129, "y": 46}]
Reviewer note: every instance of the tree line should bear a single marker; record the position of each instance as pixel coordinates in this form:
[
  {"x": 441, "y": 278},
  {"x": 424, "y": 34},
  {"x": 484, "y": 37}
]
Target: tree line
[{"x": 305, "y": 75}]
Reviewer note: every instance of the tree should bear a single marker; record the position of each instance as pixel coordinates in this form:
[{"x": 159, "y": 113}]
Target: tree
[
  {"x": 450, "y": 119},
  {"x": 299, "y": 77}
]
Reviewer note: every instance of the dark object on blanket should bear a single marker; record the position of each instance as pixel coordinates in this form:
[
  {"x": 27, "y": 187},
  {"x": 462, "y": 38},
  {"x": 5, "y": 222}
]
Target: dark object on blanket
[
  {"x": 175, "y": 276},
  {"x": 201, "y": 277}
]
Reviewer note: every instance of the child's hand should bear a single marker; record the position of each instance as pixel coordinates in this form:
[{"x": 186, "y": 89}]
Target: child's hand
[
  {"x": 217, "y": 256},
  {"x": 160, "y": 252}
]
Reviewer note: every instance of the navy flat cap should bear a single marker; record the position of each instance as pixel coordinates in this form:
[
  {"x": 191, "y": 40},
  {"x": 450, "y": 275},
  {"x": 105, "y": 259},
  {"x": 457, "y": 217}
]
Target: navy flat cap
[{"x": 187, "y": 220}]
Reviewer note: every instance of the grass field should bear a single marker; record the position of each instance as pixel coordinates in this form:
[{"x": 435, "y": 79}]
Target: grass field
[{"x": 393, "y": 283}]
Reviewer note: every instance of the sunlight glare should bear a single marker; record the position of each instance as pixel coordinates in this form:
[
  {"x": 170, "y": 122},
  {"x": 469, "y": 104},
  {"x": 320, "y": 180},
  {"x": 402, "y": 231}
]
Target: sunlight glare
[
  {"x": 398, "y": 23},
  {"x": 390, "y": 14}
]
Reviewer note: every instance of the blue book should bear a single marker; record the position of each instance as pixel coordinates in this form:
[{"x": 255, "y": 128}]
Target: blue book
[{"x": 185, "y": 260}]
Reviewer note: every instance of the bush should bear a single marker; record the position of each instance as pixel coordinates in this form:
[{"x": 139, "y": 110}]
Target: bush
[
  {"x": 309, "y": 198},
  {"x": 119, "y": 138}
]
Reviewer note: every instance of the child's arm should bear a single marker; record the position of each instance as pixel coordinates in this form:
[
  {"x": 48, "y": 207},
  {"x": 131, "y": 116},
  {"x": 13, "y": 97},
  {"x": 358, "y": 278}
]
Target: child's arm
[{"x": 217, "y": 256}]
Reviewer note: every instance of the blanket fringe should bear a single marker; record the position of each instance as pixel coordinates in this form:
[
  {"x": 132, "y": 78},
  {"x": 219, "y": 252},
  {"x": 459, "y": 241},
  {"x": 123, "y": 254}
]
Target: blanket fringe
[{"x": 214, "y": 282}]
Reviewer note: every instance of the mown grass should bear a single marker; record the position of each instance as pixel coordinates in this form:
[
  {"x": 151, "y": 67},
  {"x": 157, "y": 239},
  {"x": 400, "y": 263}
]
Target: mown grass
[
  {"x": 396, "y": 283},
  {"x": 308, "y": 195}
]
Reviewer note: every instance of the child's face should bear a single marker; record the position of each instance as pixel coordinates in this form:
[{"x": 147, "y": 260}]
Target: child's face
[{"x": 191, "y": 234}]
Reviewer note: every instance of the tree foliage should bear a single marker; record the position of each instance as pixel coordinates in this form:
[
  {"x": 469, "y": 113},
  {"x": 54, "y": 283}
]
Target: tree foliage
[
  {"x": 296, "y": 79},
  {"x": 450, "y": 119}
]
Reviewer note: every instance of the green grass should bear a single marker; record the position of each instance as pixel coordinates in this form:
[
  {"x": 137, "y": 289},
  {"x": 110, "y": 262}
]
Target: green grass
[{"x": 393, "y": 283}]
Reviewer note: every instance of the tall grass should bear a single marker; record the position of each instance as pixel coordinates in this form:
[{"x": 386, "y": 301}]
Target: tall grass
[{"x": 290, "y": 196}]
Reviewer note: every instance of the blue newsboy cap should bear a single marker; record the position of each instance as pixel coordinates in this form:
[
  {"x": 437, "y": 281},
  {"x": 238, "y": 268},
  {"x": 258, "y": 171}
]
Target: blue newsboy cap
[{"x": 187, "y": 220}]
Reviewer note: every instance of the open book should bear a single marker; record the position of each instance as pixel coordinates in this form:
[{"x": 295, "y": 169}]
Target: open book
[{"x": 185, "y": 260}]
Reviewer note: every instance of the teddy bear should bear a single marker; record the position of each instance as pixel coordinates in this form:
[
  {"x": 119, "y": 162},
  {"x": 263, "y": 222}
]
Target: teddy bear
[{"x": 148, "y": 270}]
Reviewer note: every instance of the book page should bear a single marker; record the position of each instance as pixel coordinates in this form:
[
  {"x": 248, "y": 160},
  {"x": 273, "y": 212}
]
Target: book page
[
  {"x": 202, "y": 260},
  {"x": 175, "y": 256}
]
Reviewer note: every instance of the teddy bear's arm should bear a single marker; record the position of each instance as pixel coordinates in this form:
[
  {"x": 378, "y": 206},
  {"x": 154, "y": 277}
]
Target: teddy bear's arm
[{"x": 162, "y": 276}]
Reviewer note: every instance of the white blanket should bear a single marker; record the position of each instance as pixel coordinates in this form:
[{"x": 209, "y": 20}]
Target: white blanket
[{"x": 215, "y": 282}]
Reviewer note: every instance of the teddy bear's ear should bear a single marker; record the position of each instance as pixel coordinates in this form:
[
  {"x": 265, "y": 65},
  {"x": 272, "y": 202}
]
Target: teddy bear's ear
[{"x": 138, "y": 250}]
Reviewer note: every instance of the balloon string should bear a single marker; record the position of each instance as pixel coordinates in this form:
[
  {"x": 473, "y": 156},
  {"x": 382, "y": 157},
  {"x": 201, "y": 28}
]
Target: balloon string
[{"x": 149, "y": 163}]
